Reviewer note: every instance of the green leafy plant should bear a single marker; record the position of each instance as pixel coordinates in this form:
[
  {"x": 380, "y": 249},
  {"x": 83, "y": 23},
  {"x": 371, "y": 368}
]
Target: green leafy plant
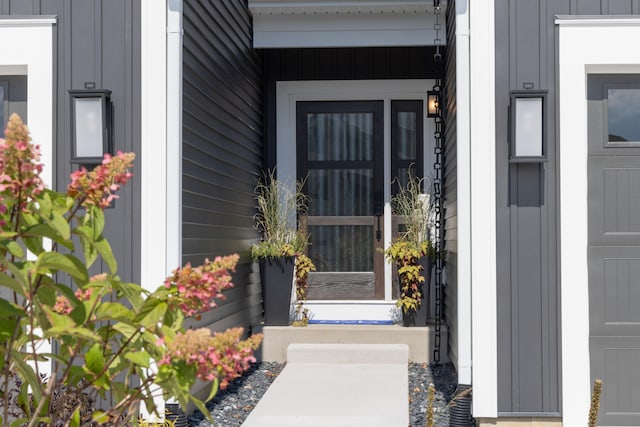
[
  {"x": 110, "y": 334},
  {"x": 414, "y": 208},
  {"x": 406, "y": 256},
  {"x": 304, "y": 265},
  {"x": 278, "y": 205}
]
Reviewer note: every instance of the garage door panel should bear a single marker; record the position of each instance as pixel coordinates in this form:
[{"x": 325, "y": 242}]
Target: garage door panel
[
  {"x": 614, "y": 291},
  {"x": 614, "y": 244},
  {"x": 617, "y": 359},
  {"x": 614, "y": 200}
]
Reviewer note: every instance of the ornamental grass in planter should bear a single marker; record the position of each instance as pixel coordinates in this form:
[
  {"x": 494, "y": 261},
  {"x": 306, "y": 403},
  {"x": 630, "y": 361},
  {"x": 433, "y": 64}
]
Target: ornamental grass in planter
[
  {"x": 412, "y": 252},
  {"x": 281, "y": 248}
]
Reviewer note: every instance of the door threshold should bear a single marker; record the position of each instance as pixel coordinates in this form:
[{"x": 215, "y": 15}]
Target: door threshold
[{"x": 351, "y": 322}]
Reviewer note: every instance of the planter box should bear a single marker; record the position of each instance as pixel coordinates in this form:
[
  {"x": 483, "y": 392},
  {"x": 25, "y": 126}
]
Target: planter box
[
  {"x": 276, "y": 278},
  {"x": 419, "y": 318}
]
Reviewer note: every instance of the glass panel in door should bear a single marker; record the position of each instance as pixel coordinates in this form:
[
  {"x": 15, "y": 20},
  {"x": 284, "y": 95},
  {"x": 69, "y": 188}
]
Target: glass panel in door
[{"x": 340, "y": 155}]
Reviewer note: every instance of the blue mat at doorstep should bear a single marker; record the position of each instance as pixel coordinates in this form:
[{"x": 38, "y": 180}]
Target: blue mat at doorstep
[{"x": 350, "y": 322}]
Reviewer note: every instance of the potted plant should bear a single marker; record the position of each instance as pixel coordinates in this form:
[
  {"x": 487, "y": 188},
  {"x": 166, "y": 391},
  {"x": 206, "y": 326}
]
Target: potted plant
[
  {"x": 411, "y": 250},
  {"x": 278, "y": 205}
]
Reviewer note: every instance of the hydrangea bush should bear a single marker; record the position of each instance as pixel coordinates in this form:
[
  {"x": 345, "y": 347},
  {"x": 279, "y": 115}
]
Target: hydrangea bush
[{"x": 111, "y": 336}]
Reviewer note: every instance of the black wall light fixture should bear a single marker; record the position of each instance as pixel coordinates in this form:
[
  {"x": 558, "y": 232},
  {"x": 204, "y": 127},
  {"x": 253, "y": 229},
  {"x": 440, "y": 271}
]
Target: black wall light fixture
[
  {"x": 528, "y": 126},
  {"x": 91, "y": 125},
  {"x": 433, "y": 103}
]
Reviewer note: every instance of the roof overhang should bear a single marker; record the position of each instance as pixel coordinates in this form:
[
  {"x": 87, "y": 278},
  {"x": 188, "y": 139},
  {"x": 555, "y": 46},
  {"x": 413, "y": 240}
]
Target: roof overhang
[{"x": 352, "y": 23}]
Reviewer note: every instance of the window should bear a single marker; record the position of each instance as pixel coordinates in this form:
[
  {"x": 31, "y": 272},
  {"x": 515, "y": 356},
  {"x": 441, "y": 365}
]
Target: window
[{"x": 623, "y": 112}]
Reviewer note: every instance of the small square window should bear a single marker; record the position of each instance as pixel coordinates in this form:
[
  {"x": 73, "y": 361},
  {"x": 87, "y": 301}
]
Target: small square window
[{"x": 623, "y": 113}]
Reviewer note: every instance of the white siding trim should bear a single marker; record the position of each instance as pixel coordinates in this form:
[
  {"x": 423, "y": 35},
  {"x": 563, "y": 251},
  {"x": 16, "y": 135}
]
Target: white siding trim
[
  {"x": 463, "y": 138},
  {"x": 161, "y": 145},
  {"x": 32, "y": 54},
  {"x": 483, "y": 209},
  {"x": 585, "y": 46},
  {"x": 289, "y": 92}
]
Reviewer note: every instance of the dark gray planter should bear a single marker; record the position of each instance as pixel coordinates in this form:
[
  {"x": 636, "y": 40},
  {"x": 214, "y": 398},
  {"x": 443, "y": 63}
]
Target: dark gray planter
[
  {"x": 276, "y": 277},
  {"x": 419, "y": 317}
]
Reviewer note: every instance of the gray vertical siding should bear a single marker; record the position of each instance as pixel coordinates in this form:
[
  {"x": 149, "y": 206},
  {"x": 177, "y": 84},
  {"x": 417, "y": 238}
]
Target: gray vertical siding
[
  {"x": 98, "y": 41},
  {"x": 527, "y": 209},
  {"x": 222, "y": 148},
  {"x": 528, "y": 320},
  {"x": 450, "y": 186},
  {"x": 338, "y": 64}
]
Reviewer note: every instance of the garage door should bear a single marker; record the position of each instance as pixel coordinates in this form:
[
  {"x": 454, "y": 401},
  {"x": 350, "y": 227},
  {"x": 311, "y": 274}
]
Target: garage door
[{"x": 614, "y": 244}]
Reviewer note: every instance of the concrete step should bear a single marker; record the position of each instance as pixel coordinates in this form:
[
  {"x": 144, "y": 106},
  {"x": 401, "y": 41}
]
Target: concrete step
[
  {"x": 419, "y": 340},
  {"x": 348, "y": 353},
  {"x": 355, "y": 385}
]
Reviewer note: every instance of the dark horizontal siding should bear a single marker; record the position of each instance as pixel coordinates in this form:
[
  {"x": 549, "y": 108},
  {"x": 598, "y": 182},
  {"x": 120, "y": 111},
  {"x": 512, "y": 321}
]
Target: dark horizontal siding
[
  {"x": 222, "y": 149},
  {"x": 338, "y": 64},
  {"x": 450, "y": 183}
]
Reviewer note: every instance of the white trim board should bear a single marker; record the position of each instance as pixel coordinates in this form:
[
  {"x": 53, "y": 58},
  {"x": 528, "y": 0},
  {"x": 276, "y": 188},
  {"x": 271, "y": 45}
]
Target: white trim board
[
  {"x": 586, "y": 46},
  {"x": 290, "y": 24},
  {"x": 33, "y": 56},
  {"x": 480, "y": 183},
  {"x": 288, "y": 93}
]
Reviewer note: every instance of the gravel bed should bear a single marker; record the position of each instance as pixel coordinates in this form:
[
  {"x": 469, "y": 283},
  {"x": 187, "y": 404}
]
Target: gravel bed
[{"x": 231, "y": 407}]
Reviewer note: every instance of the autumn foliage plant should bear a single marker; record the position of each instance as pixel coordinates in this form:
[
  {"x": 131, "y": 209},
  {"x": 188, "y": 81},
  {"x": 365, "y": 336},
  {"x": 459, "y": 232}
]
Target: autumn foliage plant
[{"x": 109, "y": 336}]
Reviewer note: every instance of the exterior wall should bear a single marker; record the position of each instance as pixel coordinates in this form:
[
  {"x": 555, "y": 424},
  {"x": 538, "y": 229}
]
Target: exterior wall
[
  {"x": 222, "y": 149},
  {"x": 450, "y": 309},
  {"x": 98, "y": 41},
  {"x": 337, "y": 64},
  {"x": 527, "y": 211}
]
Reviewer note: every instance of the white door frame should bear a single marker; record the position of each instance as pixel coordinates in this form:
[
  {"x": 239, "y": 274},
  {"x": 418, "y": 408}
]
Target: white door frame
[
  {"x": 287, "y": 94},
  {"x": 587, "y": 45}
]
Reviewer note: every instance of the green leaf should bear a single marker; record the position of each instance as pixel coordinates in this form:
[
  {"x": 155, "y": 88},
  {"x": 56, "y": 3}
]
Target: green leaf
[
  {"x": 58, "y": 321},
  {"x": 11, "y": 283},
  {"x": 8, "y": 310},
  {"x": 104, "y": 249},
  {"x": 152, "y": 312},
  {"x": 77, "y": 332},
  {"x": 94, "y": 359},
  {"x": 54, "y": 262},
  {"x": 27, "y": 374},
  {"x": 41, "y": 230},
  {"x": 14, "y": 248},
  {"x": 113, "y": 311},
  {"x": 75, "y": 418},
  {"x": 131, "y": 291},
  {"x": 138, "y": 357}
]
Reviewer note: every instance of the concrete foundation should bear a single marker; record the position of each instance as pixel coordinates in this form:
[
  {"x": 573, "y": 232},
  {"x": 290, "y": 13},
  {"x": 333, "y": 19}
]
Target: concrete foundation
[{"x": 419, "y": 340}]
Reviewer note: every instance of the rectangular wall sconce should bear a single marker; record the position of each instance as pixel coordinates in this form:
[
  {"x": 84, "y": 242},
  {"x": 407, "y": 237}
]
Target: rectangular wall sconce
[
  {"x": 528, "y": 126},
  {"x": 91, "y": 125},
  {"x": 433, "y": 103}
]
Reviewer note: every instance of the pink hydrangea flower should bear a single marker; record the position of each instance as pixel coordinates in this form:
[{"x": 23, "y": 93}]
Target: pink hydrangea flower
[
  {"x": 98, "y": 187},
  {"x": 197, "y": 288},
  {"x": 62, "y": 305},
  {"x": 223, "y": 356},
  {"x": 20, "y": 169}
]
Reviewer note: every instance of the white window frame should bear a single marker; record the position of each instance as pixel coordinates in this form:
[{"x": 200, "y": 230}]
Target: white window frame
[
  {"x": 32, "y": 55},
  {"x": 587, "y": 45},
  {"x": 290, "y": 92}
]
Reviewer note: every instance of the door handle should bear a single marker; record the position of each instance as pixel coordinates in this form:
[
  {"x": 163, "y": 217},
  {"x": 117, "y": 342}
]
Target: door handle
[{"x": 378, "y": 214}]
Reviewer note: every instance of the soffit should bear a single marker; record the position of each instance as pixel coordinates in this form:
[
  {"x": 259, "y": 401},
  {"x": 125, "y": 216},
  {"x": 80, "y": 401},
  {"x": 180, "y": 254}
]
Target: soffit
[{"x": 355, "y": 23}]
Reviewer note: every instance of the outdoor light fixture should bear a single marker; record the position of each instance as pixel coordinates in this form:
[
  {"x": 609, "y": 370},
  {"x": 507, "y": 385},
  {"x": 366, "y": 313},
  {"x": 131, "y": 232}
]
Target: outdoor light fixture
[
  {"x": 433, "y": 103},
  {"x": 528, "y": 124},
  {"x": 91, "y": 124}
]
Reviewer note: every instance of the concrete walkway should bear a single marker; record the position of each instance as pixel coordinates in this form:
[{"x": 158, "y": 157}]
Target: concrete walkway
[{"x": 338, "y": 385}]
